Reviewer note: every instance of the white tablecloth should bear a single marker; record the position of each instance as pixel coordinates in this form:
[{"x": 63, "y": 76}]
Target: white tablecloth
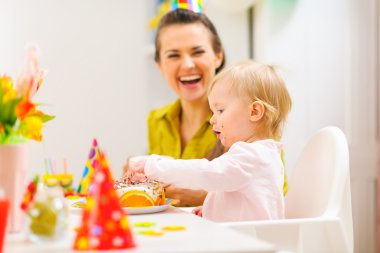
[{"x": 200, "y": 235}]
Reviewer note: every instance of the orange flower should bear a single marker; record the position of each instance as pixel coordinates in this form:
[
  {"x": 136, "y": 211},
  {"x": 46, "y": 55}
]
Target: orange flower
[{"x": 24, "y": 108}]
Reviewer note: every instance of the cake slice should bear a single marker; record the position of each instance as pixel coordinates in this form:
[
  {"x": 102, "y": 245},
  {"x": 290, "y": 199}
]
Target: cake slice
[{"x": 143, "y": 194}]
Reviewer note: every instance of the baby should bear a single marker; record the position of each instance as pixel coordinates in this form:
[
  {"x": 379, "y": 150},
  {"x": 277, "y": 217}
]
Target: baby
[{"x": 250, "y": 104}]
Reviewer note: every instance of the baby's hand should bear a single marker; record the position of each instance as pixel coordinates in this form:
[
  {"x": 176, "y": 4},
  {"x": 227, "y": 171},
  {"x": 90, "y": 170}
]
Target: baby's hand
[
  {"x": 134, "y": 169},
  {"x": 198, "y": 211}
]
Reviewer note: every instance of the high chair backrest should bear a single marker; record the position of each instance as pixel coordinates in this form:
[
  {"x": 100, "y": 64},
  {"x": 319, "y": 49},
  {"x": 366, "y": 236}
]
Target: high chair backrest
[
  {"x": 318, "y": 204},
  {"x": 319, "y": 177}
]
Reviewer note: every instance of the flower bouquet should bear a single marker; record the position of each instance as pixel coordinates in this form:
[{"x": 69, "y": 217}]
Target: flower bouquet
[{"x": 20, "y": 119}]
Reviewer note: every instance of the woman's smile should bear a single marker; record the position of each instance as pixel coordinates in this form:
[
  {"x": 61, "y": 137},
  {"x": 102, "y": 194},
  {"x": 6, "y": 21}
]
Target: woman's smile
[{"x": 190, "y": 81}]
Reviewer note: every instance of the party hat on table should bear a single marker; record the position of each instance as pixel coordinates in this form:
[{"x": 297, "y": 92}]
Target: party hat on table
[
  {"x": 29, "y": 194},
  {"x": 104, "y": 224},
  {"x": 192, "y": 5},
  {"x": 88, "y": 169}
]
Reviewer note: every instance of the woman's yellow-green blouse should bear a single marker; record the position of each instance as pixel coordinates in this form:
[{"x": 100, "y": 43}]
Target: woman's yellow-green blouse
[{"x": 164, "y": 137}]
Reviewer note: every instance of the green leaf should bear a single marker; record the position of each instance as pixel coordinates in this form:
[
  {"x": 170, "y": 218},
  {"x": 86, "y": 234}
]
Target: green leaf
[
  {"x": 12, "y": 139},
  {"x": 7, "y": 112},
  {"x": 46, "y": 118}
]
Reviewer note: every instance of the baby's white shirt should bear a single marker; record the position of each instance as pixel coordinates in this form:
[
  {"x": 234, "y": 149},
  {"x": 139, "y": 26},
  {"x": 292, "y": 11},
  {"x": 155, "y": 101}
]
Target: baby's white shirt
[{"x": 245, "y": 183}]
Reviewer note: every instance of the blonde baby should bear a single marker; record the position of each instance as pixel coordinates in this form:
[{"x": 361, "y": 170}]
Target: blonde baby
[{"x": 250, "y": 103}]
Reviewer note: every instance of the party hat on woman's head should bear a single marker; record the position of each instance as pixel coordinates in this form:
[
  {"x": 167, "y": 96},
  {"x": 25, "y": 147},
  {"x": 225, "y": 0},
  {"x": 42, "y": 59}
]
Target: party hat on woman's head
[
  {"x": 165, "y": 6},
  {"x": 192, "y": 5}
]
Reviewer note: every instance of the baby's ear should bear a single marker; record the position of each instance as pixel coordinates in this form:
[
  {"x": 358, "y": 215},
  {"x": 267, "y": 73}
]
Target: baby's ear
[{"x": 257, "y": 111}]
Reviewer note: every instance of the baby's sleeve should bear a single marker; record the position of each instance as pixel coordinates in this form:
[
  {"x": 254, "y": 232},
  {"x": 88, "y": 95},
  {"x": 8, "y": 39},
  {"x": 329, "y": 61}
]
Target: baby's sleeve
[{"x": 225, "y": 173}]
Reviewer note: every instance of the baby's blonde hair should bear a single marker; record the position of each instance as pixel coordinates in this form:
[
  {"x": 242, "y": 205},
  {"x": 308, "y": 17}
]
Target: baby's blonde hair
[{"x": 260, "y": 82}]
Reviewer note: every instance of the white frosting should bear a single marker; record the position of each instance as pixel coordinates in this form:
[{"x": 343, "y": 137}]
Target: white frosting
[
  {"x": 153, "y": 189},
  {"x": 123, "y": 190},
  {"x": 150, "y": 192}
]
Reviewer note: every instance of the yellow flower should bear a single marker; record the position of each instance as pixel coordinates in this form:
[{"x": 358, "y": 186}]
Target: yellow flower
[
  {"x": 32, "y": 128},
  {"x": 6, "y": 82},
  {"x": 11, "y": 94},
  {"x": 6, "y": 86}
]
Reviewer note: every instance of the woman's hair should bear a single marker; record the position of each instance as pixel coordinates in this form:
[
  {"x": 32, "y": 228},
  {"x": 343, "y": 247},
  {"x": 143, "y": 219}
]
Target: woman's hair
[
  {"x": 260, "y": 82},
  {"x": 184, "y": 17}
]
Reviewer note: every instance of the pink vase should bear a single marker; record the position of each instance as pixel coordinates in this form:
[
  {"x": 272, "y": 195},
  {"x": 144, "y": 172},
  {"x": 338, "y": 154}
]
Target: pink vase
[{"x": 13, "y": 168}]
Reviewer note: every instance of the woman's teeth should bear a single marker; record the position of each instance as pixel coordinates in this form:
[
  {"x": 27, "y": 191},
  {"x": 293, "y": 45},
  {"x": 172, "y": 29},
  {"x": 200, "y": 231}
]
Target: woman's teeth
[{"x": 190, "y": 79}]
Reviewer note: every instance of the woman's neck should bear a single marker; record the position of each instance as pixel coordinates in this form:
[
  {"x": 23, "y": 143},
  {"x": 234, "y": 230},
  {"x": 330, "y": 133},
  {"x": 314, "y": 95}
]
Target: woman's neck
[
  {"x": 194, "y": 113},
  {"x": 193, "y": 116}
]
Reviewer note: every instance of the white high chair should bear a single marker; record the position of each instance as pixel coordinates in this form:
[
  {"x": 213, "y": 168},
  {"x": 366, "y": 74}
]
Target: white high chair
[{"x": 318, "y": 203}]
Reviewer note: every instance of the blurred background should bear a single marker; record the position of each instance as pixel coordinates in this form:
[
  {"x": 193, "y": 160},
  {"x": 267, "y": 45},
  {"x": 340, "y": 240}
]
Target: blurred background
[{"x": 102, "y": 81}]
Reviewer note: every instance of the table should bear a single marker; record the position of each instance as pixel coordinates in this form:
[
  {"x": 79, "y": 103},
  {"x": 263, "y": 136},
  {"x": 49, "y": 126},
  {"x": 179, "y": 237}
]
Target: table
[{"x": 200, "y": 235}]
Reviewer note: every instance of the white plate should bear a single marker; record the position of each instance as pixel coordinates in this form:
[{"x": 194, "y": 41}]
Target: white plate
[
  {"x": 130, "y": 210},
  {"x": 148, "y": 209}
]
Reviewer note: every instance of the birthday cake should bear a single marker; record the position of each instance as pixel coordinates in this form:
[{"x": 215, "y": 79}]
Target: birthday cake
[{"x": 142, "y": 194}]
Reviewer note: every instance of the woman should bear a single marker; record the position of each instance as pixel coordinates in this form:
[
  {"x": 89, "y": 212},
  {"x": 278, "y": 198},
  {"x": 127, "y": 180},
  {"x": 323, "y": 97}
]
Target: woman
[{"x": 188, "y": 54}]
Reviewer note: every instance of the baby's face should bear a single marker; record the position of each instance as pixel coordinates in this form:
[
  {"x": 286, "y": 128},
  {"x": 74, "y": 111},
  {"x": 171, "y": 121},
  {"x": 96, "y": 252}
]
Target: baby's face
[{"x": 231, "y": 118}]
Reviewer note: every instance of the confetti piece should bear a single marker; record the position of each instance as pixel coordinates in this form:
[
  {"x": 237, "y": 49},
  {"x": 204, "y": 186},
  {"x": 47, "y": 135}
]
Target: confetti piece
[
  {"x": 78, "y": 204},
  {"x": 73, "y": 197},
  {"x": 174, "y": 228},
  {"x": 151, "y": 233},
  {"x": 173, "y": 202},
  {"x": 144, "y": 224}
]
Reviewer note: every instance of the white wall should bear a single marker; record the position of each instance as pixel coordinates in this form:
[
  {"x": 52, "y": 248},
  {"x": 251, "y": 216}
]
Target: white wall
[{"x": 96, "y": 86}]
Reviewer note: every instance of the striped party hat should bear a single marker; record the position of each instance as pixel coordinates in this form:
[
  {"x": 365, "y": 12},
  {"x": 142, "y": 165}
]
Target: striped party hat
[{"x": 192, "y": 5}]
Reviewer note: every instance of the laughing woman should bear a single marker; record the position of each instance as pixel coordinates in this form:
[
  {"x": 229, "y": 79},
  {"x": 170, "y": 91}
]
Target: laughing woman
[{"x": 188, "y": 54}]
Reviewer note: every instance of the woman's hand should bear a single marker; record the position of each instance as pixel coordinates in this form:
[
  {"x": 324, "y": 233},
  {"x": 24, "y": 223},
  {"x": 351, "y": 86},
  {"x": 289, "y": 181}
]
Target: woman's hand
[
  {"x": 185, "y": 197},
  {"x": 198, "y": 211}
]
